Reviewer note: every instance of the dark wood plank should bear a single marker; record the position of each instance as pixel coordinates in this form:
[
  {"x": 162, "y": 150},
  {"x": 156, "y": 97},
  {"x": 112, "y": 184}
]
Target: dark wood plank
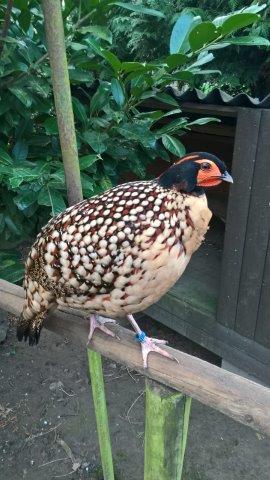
[
  {"x": 204, "y": 109},
  {"x": 256, "y": 240},
  {"x": 201, "y": 109},
  {"x": 246, "y": 139},
  {"x": 245, "y": 354},
  {"x": 262, "y": 333},
  {"x": 243, "y": 400}
]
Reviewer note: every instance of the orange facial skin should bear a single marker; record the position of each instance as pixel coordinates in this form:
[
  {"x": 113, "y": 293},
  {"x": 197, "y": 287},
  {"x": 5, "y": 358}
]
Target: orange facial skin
[{"x": 209, "y": 174}]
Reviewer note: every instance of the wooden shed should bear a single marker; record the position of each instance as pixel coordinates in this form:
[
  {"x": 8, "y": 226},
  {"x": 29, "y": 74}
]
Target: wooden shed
[{"x": 222, "y": 302}]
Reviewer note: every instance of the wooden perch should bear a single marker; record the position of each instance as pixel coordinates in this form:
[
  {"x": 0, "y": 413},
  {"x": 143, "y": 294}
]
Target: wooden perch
[{"x": 241, "y": 399}]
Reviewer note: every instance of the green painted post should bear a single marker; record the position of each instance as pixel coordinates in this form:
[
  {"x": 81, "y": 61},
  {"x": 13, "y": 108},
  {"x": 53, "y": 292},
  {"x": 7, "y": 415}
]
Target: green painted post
[
  {"x": 166, "y": 428},
  {"x": 98, "y": 392}
]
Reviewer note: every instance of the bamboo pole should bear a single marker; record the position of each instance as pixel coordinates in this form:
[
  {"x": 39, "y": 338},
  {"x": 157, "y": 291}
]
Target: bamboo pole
[
  {"x": 166, "y": 429},
  {"x": 62, "y": 97},
  {"x": 98, "y": 392}
]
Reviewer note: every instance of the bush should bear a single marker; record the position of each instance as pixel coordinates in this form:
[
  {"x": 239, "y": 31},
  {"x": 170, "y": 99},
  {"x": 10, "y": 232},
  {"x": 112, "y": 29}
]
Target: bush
[
  {"x": 243, "y": 69},
  {"x": 114, "y": 134}
]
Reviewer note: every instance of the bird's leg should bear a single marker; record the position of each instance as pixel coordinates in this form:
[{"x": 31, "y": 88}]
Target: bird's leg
[
  {"x": 148, "y": 344},
  {"x": 96, "y": 321}
]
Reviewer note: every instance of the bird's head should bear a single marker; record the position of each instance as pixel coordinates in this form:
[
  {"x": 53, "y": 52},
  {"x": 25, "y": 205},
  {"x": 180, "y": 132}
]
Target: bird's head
[{"x": 195, "y": 171}]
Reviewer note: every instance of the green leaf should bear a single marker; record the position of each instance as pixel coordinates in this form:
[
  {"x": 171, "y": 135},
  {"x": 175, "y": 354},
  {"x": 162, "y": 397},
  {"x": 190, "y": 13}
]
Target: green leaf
[
  {"x": 173, "y": 126},
  {"x": 79, "y": 75},
  {"x": 96, "y": 140},
  {"x": 99, "y": 99},
  {"x": 173, "y": 145},
  {"x": 118, "y": 92},
  {"x": 24, "y": 19},
  {"x": 235, "y": 22},
  {"x": 87, "y": 161},
  {"x": 57, "y": 201},
  {"x": 105, "y": 183},
  {"x": 20, "y": 151},
  {"x": 132, "y": 66},
  {"x": 43, "y": 197},
  {"x": 77, "y": 47},
  {"x": 26, "y": 199},
  {"x": 21, "y": 4},
  {"x": 180, "y": 32},
  {"x": 165, "y": 98},
  {"x": 12, "y": 273},
  {"x": 50, "y": 126},
  {"x": 79, "y": 111},
  {"x": 5, "y": 157},
  {"x": 139, "y": 132},
  {"x": 203, "y": 121},
  {"x": 171, "y": 112},
  {"x": 4, "y": 105},
  {"x": 176, "y": 60},
  {"x": 5, "y": 170},
  {"x": 112, "y": 60},
  {"x": 21, "y": 175},
  {"x": 139, "y": 9},
  {"x": 202, "y": 34},
  {"x": 249, "y": 40},
  {"x": 255, "y": 8},
  {"x": 87, "y": 184},
  {"x": 40, "y": 86},
  {"x": 99, "y": 31},
  {"x": 13, "y": 227},
  {"x": 22, "y": 95},
  {"x": 203, "y": 58},
  {"x": 184, "y": 76},
  {"x": 137, "y": 165},
  {"x": 94, "y": 45}
]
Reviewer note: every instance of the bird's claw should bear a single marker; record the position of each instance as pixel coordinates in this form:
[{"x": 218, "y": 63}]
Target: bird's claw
[
  {"x": 151, "y": 345},
  {"x": 98, "y": 322}
]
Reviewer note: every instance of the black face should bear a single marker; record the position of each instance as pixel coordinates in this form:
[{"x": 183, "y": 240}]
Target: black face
[{"x": 182, "y": 176}]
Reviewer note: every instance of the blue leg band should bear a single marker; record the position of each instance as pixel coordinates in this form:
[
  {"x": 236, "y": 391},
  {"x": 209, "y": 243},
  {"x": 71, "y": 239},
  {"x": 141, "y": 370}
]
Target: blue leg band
[{"x": 140, "y": 337}]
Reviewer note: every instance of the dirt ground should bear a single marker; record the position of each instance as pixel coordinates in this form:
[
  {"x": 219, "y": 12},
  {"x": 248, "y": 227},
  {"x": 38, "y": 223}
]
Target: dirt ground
[{"x": 47, "y": 423}]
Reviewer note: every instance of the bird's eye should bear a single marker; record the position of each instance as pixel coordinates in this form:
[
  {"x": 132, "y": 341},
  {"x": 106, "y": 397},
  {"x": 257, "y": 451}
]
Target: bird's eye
[{"x": 205, "y": 166}]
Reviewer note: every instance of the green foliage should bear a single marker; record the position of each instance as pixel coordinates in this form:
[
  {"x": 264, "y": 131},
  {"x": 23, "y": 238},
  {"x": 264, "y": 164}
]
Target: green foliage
[
  {"x": 243, "y": 69},
  {"x": 115, "y": 133}
]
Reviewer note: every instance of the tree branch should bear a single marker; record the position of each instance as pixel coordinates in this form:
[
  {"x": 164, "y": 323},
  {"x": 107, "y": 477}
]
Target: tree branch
[{"x": 6, "y": 24}]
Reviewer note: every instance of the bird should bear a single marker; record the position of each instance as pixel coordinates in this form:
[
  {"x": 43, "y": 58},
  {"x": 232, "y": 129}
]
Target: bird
[{"x": 117, "y": 253}]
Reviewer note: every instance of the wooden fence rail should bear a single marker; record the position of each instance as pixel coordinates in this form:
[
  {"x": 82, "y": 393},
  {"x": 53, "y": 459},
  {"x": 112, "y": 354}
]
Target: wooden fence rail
[{"x": 239, "y": 398}]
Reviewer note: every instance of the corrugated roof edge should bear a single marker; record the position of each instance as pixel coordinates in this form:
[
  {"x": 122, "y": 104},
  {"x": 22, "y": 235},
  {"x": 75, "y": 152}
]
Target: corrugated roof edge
[{"x": 219, "y": 97}]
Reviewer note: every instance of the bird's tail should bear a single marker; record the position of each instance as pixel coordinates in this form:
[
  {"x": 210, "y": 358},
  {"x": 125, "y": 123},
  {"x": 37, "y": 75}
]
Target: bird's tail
[{"x": 37, "y": 303}]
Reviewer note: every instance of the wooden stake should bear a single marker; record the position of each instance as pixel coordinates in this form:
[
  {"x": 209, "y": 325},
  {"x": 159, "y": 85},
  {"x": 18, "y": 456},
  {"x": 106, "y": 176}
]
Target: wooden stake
[
  {"x": 166, "y": 429},
  {"x": 98, "y": 392},
  {"x": 62, "y": 97}
]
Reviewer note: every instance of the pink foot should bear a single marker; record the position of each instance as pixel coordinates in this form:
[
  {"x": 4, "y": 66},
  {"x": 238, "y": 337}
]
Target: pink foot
[
  {"x": 97, "y": 322},
  {"x": 151, "y": 345},
  {"x": 148, "y": 344}
]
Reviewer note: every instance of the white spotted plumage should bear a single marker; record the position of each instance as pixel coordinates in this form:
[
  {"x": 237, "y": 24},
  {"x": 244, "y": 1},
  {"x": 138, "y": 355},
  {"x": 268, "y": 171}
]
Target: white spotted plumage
[{"x": 114, "y": 254}]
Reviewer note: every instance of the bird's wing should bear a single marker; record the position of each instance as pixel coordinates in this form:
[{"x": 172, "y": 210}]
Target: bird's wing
[{"x": 90, "y": 245}]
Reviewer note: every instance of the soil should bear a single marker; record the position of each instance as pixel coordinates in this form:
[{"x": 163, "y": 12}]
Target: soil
[{"x": 47, "y": 422}]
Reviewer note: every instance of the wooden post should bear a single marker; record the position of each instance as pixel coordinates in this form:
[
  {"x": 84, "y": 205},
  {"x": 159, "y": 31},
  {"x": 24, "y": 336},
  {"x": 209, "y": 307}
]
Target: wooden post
[
  {"x": 166, "y": 429},
  {"x": 98, "y": 392},
  {"x": 62, "y": 97}
]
